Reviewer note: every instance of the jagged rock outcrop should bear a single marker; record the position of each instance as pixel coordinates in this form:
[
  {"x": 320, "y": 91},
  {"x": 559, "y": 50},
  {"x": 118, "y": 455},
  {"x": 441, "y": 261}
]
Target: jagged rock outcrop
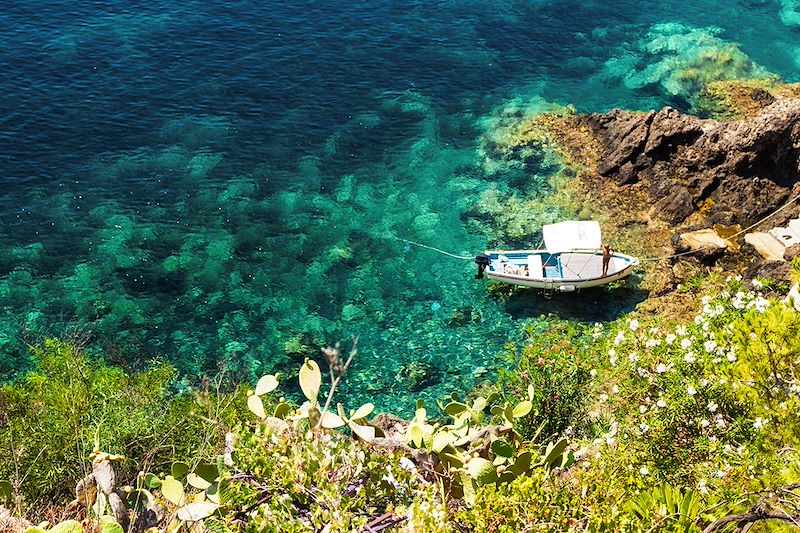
[{"x": 735, "y": 171}]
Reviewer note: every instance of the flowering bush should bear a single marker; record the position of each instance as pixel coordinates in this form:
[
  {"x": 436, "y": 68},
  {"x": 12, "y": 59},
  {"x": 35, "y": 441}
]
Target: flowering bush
[
  {"x": 689, "y": 403},
  {"x": 554, "y": 362}
]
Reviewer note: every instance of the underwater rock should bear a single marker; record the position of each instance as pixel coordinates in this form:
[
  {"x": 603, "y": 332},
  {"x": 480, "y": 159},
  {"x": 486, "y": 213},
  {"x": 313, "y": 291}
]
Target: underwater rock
[
  {"x": 419, "y": 375},
  {"x": 734, "y": 99},
  {"x": 680, "y": 60},
  {"x": 729, "y": 172},
  {"x": 463, "y": 316}
]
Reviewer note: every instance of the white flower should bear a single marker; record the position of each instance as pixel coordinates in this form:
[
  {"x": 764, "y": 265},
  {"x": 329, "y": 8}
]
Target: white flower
[
  {"x": 644, "y": 471},
  {"x": 690, "y": 358},
  {"x": 661, "y": 368},
  {"x": 685, "y": 343},
  {"x": 681, "y": 330},
  {"x": 644, "y": 427},
  {"x": 757, "y": 284},
  {"x": 661, "y": 403},
  {"x": 615, "y": 389},
  {"x": 604, "y": 398},
  {"x": 759, "y": 423},
  {"x": 710, "y": 346},
  {"x": 691, "y": 391},
  {"x": 720, "y": 422},
  {"x": 704, "y": 423},
  {"x": 720, "y": 473},
  {"x": 643, "y": 409},
  {"x": 613, "y": 360},
  {"x": 731, "y": 356},
  {"x": 652, "y": 343},
  {"x": 701, "y": 487},
  {"x": 619, "y": 338},
  {"x": 593, "y": 373},
  {"x": 634, "y": 325},
  {"x": 633, "y": 357},
  {"x": 642, "y": 372},
  {"x": 712, "y": 407}
]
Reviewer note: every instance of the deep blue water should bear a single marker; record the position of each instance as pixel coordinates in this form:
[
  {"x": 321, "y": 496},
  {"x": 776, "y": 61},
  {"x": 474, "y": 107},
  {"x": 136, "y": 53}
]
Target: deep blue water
[{"x": 219, "y": 182}]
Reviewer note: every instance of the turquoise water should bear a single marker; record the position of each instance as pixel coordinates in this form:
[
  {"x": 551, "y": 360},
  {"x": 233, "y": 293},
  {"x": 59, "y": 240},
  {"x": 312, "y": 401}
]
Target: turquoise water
[{"x": 219, "y": 183}]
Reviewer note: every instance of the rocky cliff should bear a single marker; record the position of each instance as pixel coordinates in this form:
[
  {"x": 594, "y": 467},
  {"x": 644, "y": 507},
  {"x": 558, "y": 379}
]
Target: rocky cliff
[{"x": 732, "y": 171}]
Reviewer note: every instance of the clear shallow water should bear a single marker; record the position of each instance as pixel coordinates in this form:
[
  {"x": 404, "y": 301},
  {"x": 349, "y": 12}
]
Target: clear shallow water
[{"x": 219, "y": 182}]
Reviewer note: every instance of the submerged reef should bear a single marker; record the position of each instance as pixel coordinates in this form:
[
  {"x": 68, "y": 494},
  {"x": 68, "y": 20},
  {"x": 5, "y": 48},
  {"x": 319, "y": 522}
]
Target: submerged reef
[
  {"x": 739, "y": 99},
  {"x": 186, "y": 254},
  {"x": 681, "y": 61}
]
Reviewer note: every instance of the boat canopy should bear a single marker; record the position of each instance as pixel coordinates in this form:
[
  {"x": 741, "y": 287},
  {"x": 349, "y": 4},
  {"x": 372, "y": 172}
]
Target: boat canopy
[{"x": 572, "y": 235}]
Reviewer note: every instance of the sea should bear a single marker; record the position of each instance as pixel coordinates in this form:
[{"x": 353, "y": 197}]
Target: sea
[{"x": 233, "y": 185}]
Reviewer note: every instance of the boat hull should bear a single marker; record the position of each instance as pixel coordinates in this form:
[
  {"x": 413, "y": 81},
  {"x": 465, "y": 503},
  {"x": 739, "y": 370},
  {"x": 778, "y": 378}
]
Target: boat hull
[{"x": 566, "y": 271}]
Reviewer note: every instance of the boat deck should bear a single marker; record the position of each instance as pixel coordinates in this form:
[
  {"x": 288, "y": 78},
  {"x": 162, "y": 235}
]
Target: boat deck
[{"x": 559, "y": 267}]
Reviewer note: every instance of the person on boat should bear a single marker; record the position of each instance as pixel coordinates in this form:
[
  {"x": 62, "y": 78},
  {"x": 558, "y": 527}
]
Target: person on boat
[{"x": 607, "y": 251}]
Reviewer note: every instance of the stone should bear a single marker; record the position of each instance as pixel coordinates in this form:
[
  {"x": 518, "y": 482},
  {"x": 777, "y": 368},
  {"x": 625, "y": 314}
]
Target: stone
[
  {"x": 730, "y": 171},
  {"x": 767, "y": 245},
  {"x": 390, "y": 424},
  {"x": 791, "y": 252}
]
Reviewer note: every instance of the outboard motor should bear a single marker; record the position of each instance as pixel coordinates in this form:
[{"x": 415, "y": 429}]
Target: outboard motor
[{"x": 482, "y": 260}]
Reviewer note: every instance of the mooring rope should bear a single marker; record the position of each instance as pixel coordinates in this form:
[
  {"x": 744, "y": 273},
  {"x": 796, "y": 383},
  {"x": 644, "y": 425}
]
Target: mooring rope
[
  {"x": 671, "y": 256},
  {"x": 463, "y": 257}
]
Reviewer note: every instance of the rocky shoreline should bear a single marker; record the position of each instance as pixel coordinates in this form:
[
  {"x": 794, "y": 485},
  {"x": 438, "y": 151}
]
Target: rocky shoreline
[
  {"x": 661, "y": 174},
  {"x": 727, "y": 171}
]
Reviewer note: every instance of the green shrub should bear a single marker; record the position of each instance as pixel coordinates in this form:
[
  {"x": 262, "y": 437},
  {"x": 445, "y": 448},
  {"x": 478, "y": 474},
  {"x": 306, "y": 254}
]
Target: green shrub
[
  {"x": 541, "y": 504},
  {"x": 49, "y": 419},
  {"x": 294, "y": 482},
  {"x": 554, "y": 362}
]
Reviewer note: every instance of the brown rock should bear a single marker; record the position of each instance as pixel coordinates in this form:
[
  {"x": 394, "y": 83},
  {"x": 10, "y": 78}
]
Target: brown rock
[
  {"x": 733, "y": 171},
  {"x": 792, "y": 252},
  {"x": 389, "y": 423}
]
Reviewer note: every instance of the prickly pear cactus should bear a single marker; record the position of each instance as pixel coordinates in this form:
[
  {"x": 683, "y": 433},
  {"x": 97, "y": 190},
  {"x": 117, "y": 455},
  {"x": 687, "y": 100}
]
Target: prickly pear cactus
[{"x": 472, "y": 453}]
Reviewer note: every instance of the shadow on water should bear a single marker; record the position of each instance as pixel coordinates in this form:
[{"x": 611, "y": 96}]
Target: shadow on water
[{"x": 596, "y": 304}]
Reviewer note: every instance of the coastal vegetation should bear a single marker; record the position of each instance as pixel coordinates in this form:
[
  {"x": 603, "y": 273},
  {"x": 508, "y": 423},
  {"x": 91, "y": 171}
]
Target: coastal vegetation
[{"x": 646, "y": 423}]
